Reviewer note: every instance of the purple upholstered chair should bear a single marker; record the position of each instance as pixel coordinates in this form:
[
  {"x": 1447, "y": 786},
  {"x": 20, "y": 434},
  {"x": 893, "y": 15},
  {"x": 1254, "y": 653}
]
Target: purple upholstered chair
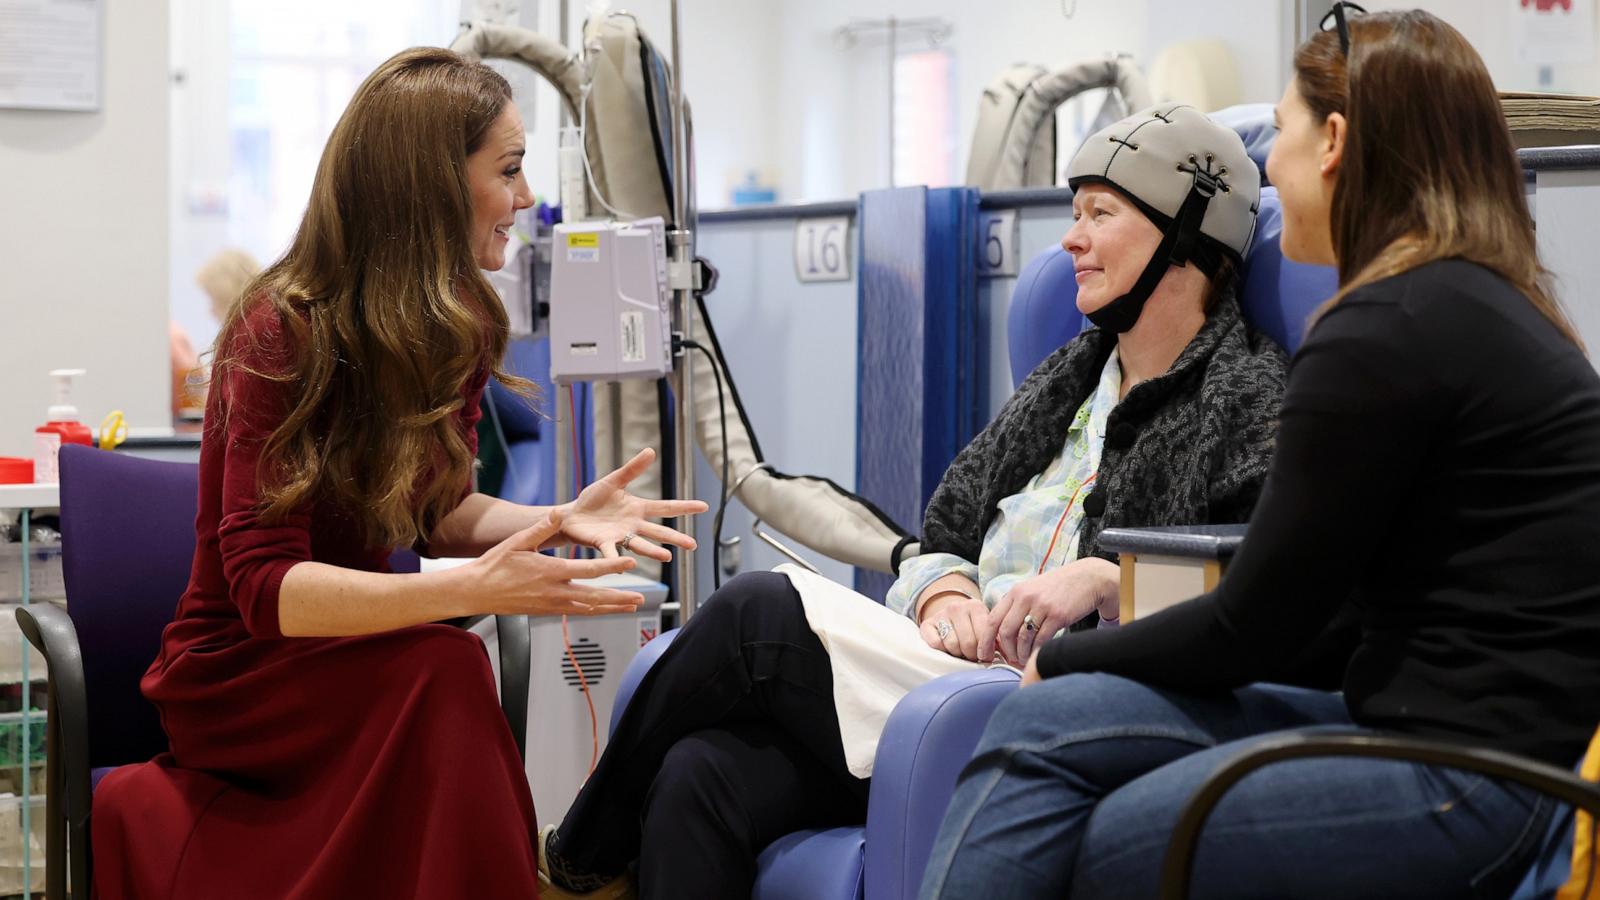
[{"x": 128, "y": 543}]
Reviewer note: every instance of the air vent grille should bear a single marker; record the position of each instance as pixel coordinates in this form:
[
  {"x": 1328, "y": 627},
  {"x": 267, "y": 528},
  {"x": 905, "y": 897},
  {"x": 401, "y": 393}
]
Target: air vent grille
[{"x": 591, "y": 657}]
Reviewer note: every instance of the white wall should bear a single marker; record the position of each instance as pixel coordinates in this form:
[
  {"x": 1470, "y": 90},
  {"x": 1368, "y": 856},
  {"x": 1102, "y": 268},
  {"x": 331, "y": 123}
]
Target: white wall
[
  {"x": 1251, "y": 29},
  {"x": 829, "y": 104},
  {"x": 85, "y": 204},
  {"x": 83, "y": 240},
  {"x": 832, "y": 102},
  {"x": 1487, "y": 24},
  {"x": 833, "y": 130},
  {"x": 773, "y": 90}
]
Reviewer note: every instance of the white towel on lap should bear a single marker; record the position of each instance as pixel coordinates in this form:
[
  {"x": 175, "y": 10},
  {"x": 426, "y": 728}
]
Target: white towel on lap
[{"x": 878, "y": 656}]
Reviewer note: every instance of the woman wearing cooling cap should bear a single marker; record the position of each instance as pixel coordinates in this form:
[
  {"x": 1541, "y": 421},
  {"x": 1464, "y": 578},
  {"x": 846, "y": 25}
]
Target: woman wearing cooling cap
[
  {"x": 1438, "y": 464},
  {"x": 764, "y": 715}
]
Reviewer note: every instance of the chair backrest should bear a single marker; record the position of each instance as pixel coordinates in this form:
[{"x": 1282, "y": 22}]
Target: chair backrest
[
  {"x": 1277, "y": 296},
  {"x": 531, "y": 360},
  {"x": 1256, "y": 127},
  {"x": 127, "y": 539},
  {"x": 530, "y": 450}
]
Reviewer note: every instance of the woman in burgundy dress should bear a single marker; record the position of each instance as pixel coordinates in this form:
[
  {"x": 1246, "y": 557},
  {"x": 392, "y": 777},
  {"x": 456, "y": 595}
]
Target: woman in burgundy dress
[{"x": 326, "y": 740}]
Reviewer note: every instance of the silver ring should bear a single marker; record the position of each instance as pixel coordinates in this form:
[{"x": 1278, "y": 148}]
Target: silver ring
[
  {"x": 1030, "y": 623},
  {"x": 627, "y": 539},
  {"x": 944, "y": 628}
]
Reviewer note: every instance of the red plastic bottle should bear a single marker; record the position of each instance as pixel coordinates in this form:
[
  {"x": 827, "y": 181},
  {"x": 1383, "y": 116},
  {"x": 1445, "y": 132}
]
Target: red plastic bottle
[{"x": 63, "y": 428}]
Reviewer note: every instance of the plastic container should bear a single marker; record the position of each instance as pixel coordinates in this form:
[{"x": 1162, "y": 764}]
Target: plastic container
[
  {"x": 751, "y": 192},
  {"x": 16, "y": 470},
  {"x": 12, "y": 646},
  {"x": 11, "y": 845},
  {"x": 44, "y": 572},
  {"x": 13, "y": 752},
  {"x": 570, "y": 168},
  {"x": 63, "y": 427}
]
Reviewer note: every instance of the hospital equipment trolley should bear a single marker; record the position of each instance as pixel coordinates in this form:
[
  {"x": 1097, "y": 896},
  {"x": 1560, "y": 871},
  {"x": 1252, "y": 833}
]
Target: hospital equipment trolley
[{"x": 30, "y": 572}]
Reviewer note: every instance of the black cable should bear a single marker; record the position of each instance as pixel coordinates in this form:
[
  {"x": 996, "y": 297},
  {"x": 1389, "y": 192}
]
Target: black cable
[
  {"x": 669, "y": 479},
  {"x": 580, "y": 448},
  {"x": 722, "y": 503}
]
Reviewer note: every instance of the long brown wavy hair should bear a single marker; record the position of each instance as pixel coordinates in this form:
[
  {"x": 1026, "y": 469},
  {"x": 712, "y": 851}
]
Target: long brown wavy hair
[
  {"x": 1429, "y": 169},
  {"x": 381, "y": 310}
]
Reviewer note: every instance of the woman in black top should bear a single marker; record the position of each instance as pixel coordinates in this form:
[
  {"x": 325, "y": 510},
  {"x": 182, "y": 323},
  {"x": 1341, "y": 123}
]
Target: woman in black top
[{"x": 1438, "y": 463}]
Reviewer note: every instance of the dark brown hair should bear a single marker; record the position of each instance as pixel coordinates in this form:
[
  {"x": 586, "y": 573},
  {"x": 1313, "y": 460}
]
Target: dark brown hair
[
  {"x": 1429, "y": 170},
  {"x": 379, "y": 308}
]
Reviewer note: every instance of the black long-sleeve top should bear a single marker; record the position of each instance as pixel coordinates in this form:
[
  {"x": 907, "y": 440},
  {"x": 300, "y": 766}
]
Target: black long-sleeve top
[{"x": 1438, "y": 463}]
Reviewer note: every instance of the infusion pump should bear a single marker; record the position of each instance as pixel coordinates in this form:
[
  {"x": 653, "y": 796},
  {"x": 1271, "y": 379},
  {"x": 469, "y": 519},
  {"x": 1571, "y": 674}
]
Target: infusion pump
[{"x": 610, "y": 304}]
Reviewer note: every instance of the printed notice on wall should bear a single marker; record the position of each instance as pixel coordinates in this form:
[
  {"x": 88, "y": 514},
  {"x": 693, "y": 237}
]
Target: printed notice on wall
[
  {"x": 1553, "y": 31},
  {"x": 50, "y": 54}
]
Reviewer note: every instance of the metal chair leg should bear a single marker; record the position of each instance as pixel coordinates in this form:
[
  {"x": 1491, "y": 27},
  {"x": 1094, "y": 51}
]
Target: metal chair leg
[
  {"x": 78, "y": 853},
  {"x": 55, "y": 812},
  {"x": 515, "y": 669}
]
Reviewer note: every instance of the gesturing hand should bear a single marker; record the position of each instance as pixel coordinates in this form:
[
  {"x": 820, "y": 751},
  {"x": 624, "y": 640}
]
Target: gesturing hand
[
  {"x": 1050, "y": 602},
  {"x": 514, "y": 578},
  {"x": 605, "y": 515}
]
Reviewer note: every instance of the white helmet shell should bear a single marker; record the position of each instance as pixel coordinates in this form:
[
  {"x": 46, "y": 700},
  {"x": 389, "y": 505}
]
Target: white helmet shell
[{"x": 1152, "y": 156}]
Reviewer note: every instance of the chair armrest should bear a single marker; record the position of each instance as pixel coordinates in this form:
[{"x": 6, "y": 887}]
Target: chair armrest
[
  {"x": 926, "y": 742},
  {"x": 1547, "y": 779},
  {"x": 516, "y": 669},
  {"x": 635, "y": 672},
  {"x": 1208, "y": 542},
  {"x": 49, "y": 629}
]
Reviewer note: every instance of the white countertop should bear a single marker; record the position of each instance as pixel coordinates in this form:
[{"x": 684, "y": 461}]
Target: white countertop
[{"x": 30, "y": 496}]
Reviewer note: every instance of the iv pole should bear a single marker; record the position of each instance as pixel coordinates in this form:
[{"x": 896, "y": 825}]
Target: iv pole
[{"x": 681, "y": 250}]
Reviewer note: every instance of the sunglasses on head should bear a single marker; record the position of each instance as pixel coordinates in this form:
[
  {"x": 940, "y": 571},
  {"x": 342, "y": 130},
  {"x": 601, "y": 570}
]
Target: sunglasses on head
[{"x": 1338, "y": 19}]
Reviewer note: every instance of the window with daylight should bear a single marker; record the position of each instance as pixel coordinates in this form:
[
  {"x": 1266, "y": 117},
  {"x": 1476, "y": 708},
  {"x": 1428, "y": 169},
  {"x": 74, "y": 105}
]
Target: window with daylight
[
  {"x": 257, "y": 87},
  {"x": 925, "y": 118}
]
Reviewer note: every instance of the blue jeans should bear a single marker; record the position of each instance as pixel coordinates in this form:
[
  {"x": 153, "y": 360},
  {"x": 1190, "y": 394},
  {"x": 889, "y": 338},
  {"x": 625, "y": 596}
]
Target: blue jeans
[{"x": 1077, "y": 784}]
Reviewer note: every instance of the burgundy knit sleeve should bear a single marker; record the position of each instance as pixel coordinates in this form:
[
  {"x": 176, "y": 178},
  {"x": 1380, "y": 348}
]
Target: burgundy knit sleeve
[
  {"x": 472, "y": 408},
  {"x": 256, "y": 553}
]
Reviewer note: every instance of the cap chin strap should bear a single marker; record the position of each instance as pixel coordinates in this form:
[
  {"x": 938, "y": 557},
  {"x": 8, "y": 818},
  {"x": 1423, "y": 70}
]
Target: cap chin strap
[{"x": 1179, "y": 245}]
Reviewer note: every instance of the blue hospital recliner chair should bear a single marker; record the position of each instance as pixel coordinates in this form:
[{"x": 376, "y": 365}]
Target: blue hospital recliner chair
[
  {"x": 529, "y": 437},
  {"x": 931, "y": 734}
]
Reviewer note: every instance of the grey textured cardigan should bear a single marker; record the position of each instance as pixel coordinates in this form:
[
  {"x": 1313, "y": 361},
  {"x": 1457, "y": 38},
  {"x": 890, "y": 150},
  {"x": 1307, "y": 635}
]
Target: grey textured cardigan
[{"x": 1190, "y": 447}]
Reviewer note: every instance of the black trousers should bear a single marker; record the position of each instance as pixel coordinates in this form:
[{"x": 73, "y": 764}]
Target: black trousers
[{"x": 730, "y": 742}]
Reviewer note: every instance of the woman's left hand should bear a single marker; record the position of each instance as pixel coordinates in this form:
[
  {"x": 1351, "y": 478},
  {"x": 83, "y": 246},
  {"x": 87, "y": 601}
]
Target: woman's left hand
[
  {"x": 1050, "y": 602},
  {"x": 605, "y": 515}
]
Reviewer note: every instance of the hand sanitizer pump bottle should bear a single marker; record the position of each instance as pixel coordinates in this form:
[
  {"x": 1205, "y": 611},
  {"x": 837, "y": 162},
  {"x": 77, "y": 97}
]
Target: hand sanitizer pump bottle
[{"x": 63, "y": 427}]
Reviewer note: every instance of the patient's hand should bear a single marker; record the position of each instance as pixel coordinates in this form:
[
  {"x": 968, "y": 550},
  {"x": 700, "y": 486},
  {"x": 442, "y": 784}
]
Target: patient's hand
[
  {"x": 1055, "y": 600},
  {"x": 968, "y": 628}
]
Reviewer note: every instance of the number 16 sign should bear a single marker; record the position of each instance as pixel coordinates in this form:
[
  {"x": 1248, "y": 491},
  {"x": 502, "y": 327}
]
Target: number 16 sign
[{"x": 822, "y": 249}]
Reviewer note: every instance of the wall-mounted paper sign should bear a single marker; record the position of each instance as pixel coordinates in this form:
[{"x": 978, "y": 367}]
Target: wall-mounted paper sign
[
  {"x": 1553, "y": 31},
  {"x": 50, "y": 53}
]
